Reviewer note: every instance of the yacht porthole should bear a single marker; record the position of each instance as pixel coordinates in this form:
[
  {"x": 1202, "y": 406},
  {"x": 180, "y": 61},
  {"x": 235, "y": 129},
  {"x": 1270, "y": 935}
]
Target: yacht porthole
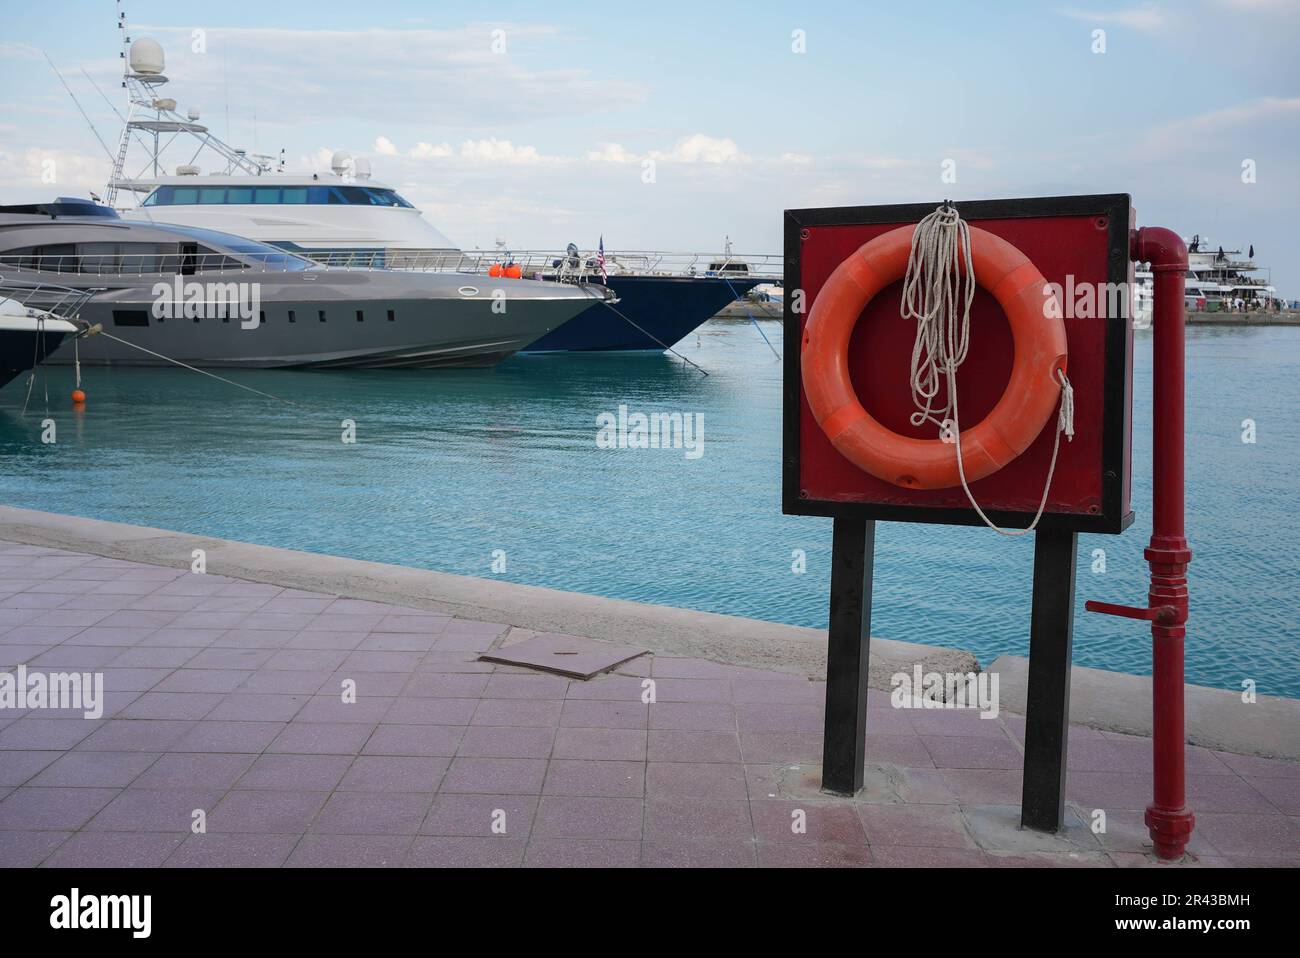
[{"x": 468, "y": 291}]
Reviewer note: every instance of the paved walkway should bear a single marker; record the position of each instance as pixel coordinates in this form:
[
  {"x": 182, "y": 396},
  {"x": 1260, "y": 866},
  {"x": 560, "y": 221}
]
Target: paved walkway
[{"x": 225, "y": 697}]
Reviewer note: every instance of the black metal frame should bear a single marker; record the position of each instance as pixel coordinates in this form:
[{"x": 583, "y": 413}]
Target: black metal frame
[
  {"x": 1117, "y": 401},
  {"x": 1047, "y": 698},
  {"x": 848, "y": 656}
]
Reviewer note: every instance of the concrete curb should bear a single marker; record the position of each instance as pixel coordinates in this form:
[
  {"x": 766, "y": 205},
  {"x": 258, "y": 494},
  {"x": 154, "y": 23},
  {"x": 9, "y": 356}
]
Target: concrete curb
[
  {"x": 1114, "y": 701},
  {"x": 1120, "y": 702},
  {"x": 663, "y": 629}
]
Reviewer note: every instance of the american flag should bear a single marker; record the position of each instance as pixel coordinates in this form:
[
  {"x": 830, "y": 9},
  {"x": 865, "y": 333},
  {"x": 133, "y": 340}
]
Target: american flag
[{"x": 600, "y": 260}]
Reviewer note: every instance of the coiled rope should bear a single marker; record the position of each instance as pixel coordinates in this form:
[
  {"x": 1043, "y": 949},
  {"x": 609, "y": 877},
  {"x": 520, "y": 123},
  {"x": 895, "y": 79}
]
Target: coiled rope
[{"x": 934, "y": 295}]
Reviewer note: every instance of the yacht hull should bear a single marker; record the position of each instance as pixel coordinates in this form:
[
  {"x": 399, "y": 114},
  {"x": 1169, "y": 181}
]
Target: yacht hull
[
  {"x": 291, "y": 333},
  {"x": 656, "y": 312},
  {"x": 23, "y": 349}
]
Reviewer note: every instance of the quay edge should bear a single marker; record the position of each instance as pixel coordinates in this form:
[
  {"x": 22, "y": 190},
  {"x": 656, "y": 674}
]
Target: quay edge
[{"x": 1111, "y": 701}]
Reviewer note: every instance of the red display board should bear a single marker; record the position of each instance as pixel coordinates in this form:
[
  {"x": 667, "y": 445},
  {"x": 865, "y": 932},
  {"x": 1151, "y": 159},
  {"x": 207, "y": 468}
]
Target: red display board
[{"x": 1077, "y": 242}]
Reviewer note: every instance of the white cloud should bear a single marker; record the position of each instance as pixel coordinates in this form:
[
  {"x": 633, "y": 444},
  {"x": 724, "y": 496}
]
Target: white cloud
[
  {"x": 611, "y": 153},
  {"x": 427, "y": 151},
  {"x": 74, "y": 173},
  {"x": 1198, "y": 131},
  {"x": 482, "y": 152},
  {"x": 1267, "y": 5},
  {"x": 450, "y": 74},
  {"x": 699, "y": 148},
  {"x": 384, "y": 146},
  {"x": 1148, "y": 17},
  {"x": 500, "y": 151},
  {"x": 18, "y": 51}
]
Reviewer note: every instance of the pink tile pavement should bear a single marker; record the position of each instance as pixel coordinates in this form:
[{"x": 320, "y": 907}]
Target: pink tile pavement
[{"x": 320, "y": 731}]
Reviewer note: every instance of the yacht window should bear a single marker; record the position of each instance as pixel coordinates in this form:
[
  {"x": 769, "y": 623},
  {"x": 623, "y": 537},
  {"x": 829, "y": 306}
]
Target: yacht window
[
  {"x": 184, "y": 196},
  {"x": 380, "y": 197},
  {"x": 142, "y": 258},
  {"x": 266, "y": 194},
  {"x": 99, "y": 257},
  {"x": 209, "y": 259},
  {"x": 336, "y": 197},
  {"x": 209, "y": 195},
  {"x": 293, "y": 317},
  {"x": 54, "y": 258},
  {"x": 159, "y": 197},
  {"x": 295, "y": 194},
  {"x": 239, "y": 194},
  {"x": 361, "y": 316},
  {"x": 130, "y": 317},
  {"x": 321, "y": 314}
]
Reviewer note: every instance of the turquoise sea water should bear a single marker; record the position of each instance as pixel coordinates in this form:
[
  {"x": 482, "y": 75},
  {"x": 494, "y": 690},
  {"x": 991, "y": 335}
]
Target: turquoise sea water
[{"x": 450, "y": 466}]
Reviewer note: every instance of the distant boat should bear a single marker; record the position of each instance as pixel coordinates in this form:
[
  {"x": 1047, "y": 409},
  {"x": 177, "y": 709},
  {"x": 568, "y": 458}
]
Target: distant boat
[
  {"x": 344, "y": 217},
  {"x": 1218, "y": 277},
  {"x": 166, "y": 292}
]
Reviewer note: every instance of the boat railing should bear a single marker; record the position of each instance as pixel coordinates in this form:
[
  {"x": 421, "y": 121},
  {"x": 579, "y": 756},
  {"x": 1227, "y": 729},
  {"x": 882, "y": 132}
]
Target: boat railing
[
  {"x": 529, "y": 264},
  {"x": 45, "y": 299},
  {"x": 559, "y": 264},
  {"x": 150, "y": 264}
]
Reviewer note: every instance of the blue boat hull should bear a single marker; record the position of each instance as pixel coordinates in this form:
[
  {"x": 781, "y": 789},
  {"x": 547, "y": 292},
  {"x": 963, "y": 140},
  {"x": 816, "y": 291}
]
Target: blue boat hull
[{"x": 666, "y": 308}]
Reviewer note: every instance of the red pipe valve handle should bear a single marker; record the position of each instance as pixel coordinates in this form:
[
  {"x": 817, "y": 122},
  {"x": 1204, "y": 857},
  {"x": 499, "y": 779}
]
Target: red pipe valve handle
[{"x": 1168, "y": 818}]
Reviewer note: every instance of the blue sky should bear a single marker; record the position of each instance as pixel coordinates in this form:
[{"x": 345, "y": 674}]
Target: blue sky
[{"x": 547, "y": 141}]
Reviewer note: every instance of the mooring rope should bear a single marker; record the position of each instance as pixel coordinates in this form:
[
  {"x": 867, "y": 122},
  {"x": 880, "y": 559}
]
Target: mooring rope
[
  {"x": 203, "y": 372},
  {"x": 740, "y": 299},
  {"x": 934, "y": 296},
  {"x": 646, "y": 332}
]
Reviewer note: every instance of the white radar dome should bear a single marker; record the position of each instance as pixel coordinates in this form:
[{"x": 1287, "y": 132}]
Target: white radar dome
[
  {"x": 362, "y": 168},
  {"x": 146, "y": 56},
  {"x": 341, "y": 162}
]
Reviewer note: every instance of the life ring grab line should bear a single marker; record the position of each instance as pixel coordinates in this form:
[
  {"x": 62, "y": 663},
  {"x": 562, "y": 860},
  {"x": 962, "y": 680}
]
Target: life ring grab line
[{"x": 1015, "y": 421}]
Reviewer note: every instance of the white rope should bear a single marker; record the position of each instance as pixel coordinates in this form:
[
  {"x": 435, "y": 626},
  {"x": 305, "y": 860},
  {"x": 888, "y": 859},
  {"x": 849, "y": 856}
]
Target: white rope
[{"x": 932, "y": 294}]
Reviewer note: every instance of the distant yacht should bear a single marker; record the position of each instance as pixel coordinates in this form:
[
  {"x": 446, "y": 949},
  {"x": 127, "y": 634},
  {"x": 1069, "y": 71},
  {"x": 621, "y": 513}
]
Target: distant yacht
[
  {"x": 1217, "y": 277},
  {"x": 164, "y": 292},
  {"x": 345, "y": 217}
]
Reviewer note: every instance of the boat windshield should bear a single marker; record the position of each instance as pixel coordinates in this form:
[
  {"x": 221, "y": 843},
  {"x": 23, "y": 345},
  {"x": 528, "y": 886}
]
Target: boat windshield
[
  {"x": 275, "y": 196},
  {"x": 271, "y": 257}
]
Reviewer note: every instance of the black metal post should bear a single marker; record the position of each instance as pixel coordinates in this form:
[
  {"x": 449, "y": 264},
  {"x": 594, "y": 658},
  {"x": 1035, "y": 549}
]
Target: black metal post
[
  {"x": 1047, "y": 708},
  {"x": 848, "y": 655}
]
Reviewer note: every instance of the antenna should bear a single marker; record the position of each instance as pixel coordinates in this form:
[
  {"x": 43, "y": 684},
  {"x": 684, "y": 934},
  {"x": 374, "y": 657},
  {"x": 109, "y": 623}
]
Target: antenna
[
  {"x": 150, "y": 116},
  {"x": 84, "y": 116}
]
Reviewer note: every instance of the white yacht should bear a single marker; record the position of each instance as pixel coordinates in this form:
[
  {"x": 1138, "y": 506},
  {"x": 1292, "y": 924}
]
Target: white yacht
[
  {"x": 328, "y": 216},
  {"x": 344, "y": 217},
  {"x": 164, "y": 293},
  {"x": 1218, "y": 277}
]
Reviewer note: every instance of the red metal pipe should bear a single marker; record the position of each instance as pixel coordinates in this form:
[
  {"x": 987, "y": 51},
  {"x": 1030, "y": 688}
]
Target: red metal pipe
[{"x": 1167, "y": 817}]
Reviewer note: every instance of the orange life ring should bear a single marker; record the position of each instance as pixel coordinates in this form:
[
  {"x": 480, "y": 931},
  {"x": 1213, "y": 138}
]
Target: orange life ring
[{"x": 1019, "y": 416}]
